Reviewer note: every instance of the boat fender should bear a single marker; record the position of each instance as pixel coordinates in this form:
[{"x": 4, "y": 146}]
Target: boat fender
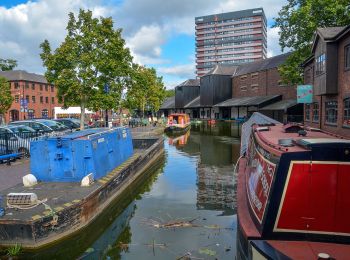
[
  {"x": 29, "y": 180},
  {"x": 323, "y": 256},
  {"x": 87, "y": 180}
]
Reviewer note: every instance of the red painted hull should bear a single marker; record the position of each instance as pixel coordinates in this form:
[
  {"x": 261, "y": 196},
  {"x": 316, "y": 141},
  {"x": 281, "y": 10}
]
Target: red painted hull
[{"x": 294, "y": 202}]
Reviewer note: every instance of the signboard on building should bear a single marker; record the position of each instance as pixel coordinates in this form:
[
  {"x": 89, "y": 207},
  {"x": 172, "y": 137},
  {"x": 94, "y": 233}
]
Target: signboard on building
[
  {"x": 24, "y": 105},
  {"x": 304, "y": 94}
]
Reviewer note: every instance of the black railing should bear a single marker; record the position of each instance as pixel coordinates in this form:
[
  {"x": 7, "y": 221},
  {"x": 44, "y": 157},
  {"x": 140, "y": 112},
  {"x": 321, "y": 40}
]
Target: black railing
[{"x": 19, "y": 143}]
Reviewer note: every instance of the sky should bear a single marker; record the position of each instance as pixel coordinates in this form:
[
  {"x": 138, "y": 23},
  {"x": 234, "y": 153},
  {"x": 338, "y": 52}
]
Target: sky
[{"x": 159, "y": 33}]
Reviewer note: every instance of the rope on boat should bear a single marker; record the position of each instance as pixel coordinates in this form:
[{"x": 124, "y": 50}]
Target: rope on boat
[
  {"x": 26, "y": 207},
  {"x": 239, "y": 158}
]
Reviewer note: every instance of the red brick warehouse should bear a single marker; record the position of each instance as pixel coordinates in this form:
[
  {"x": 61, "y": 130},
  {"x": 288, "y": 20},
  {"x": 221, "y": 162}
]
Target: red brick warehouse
[{"x": 34, "y": 91}]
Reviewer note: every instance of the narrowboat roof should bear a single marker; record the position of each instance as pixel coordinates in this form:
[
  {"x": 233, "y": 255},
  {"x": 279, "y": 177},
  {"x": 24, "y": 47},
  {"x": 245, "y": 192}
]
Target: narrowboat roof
[{"x": 272, "y": 135}]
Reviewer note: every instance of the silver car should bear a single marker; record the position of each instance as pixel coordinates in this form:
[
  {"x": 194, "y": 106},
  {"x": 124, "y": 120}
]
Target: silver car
[{"x": 17, "y": 138}]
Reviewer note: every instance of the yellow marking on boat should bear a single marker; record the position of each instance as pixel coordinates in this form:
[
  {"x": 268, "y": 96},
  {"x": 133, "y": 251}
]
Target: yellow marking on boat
[
  {"x": 58, "y": 209},
  {"x": 68, "y": 204},
  {"x": 76, "y": 201},
  {"x": 36, "y": 217},
  {"x": 102, "y": 181}
]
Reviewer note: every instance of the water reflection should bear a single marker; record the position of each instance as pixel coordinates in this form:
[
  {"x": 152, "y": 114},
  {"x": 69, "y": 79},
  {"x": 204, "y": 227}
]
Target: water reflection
[{"x": 195, "y": 186}]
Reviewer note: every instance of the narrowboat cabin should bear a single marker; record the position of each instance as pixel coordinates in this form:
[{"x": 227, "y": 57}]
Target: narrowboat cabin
[
  {"x": 293, "y": 194},
  {"x": 178, "y": 124}
]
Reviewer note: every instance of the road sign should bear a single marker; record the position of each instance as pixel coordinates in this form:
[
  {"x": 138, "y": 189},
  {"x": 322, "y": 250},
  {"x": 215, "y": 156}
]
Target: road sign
[{"x": 304, "y": 94}]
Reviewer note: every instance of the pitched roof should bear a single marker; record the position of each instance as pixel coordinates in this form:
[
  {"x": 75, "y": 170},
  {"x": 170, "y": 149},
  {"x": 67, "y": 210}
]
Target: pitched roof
[
  {"x": 168, "y": 103},
  {"x": 190, "y": 83},
  {"x": 260, "y": 65},
  {"x": 13, "y": 75},
  {"x": 193, "y": 103},
  {"x": 330, "y": 33},
  {"x": 259, "y": 101},
  {"x": 281, "y": 105},
  {"x": 220, "y": 69}
]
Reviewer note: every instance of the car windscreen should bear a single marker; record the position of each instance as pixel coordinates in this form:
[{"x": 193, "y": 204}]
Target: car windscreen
[
  {"x": 21, "y": 129},
  {"x": 53, "y": 125}
]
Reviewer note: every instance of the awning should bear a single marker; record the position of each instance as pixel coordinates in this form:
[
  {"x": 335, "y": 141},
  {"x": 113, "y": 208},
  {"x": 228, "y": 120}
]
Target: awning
[
  {"x": 195, "y": 103},
  {"x": 168, "y": 103},
  {"x": 281, "y": 105},
  {"x": 257, "y": 101}
]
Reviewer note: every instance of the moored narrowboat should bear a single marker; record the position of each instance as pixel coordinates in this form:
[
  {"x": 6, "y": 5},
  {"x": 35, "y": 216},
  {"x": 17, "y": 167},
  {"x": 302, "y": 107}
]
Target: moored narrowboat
[
  {"x": 178, "y": 124},
  {"x": 293, "y": 195}
]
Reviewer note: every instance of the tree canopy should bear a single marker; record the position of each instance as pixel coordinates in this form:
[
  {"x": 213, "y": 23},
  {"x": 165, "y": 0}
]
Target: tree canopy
[
  {"x": 169, "y": 92},
  {"x": 91, "y": 67},
  {"x": 298, "y": 21},
  {"x": 146, "y": 91},
  {"x": 7, "y": 64},
  {"x": 5, "y": 96}
]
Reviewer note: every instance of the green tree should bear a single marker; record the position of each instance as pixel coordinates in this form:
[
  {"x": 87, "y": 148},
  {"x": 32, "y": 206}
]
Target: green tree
[
  {"x": 298, "y": 21},
  {"x": 169, "y": 92},
  {"x": 5, "y": 97},
  {"x": 92, "y": 56},
  {"x": 7, "y": 64},
  {"x": 146, "y": 91}
]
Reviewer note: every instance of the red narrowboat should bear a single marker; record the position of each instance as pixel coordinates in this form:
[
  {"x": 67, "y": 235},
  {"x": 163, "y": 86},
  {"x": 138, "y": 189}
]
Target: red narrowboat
[
  {"x": 178, "y": 124},
  {"x": 293, "y": 194}
]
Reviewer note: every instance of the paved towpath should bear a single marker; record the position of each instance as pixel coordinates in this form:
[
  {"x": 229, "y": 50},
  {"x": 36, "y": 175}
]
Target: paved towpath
[{"x": 10, "y": 175}]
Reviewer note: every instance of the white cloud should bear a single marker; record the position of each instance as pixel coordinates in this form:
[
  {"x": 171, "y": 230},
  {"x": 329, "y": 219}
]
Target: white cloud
[
  {"x": 273, "y": 47},
  {"x": 147, "y": 26},
  {"x": 181, "y": 71}
]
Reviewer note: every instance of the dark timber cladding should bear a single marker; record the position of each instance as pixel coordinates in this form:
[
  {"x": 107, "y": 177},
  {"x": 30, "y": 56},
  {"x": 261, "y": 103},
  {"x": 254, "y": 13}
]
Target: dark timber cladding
[
  {"x": 328, "y": 71},
  {"x": 186, "y": 92},
  {"x": 216, "y": 85}
]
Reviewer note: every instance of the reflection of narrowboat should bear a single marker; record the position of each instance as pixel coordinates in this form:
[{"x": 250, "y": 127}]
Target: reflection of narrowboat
[
  {"x": 293, "y": 194},
  {"x": 178, "y": 124}
]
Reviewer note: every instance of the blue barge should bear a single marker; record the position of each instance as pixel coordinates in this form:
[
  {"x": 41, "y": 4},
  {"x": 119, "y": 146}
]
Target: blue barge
[{"x": 69, "y": 208}]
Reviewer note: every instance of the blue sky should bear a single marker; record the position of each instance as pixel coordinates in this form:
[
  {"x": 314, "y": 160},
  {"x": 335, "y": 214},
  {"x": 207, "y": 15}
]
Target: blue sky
[{"x": 159, "y": 33}]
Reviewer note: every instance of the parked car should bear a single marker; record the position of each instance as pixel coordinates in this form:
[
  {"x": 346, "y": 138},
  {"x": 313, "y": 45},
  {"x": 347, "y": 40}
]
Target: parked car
[
  {"x": 42, "y": 125},
  {"x": 17, "y": 138},
  {"x": 71, "y": 123}
]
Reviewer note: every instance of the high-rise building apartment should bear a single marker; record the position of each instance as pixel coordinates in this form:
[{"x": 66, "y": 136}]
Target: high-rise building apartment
[{"x": 230, "y": 38}]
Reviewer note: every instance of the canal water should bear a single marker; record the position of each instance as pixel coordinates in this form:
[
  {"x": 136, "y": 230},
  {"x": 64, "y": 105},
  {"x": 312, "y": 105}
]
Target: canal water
[{"x": 184, "y": 209}]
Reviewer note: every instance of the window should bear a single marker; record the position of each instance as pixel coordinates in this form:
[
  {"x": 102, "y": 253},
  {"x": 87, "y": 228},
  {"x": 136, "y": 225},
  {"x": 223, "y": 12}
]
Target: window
[
  {"x": 347, "y": 57},
  {"x": 16, "y": 85},
  {"x": 243, "y": 77},
  {"x": 321, "y": 64},
  {"x": 315, "y": 112},
  {"x": 44, "y": 113},
  {"x": 46, "y": 88},
  {"x": 307, "y": 112},
  {"x": 27, "y": 85},
  {"x": 254, "y": 75},
  {"x": 27, "y": 98},
  {"x": 346, "y": 119},
  {"x": 255, "y": 86},
  {"x": 33, "y": 99},
  {"x": 41, "y": 87},
  {"x": 31, "y": 114},
  {"x": 52, "y": 100},
  {"x": 41, "y": 99},
  {"x": 208, "y": 113},
  {"x": 331, "y": 108},
  {"x": 16, "y": 98},
  {"x": 243, "y": 88},
  {"x": 52, "y": 88},
  {"x": 33, "y": 86},
  {"x": 47, "y": 99}
]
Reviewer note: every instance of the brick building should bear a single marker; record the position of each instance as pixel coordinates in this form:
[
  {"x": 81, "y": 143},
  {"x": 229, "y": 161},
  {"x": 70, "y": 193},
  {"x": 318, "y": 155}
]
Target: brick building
[
  {"x": 230, "y": 38},
  {"x": 328, "y": 71},
  {"x": 33, "y": 96},
  {"x": 258, "y": 87}
]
